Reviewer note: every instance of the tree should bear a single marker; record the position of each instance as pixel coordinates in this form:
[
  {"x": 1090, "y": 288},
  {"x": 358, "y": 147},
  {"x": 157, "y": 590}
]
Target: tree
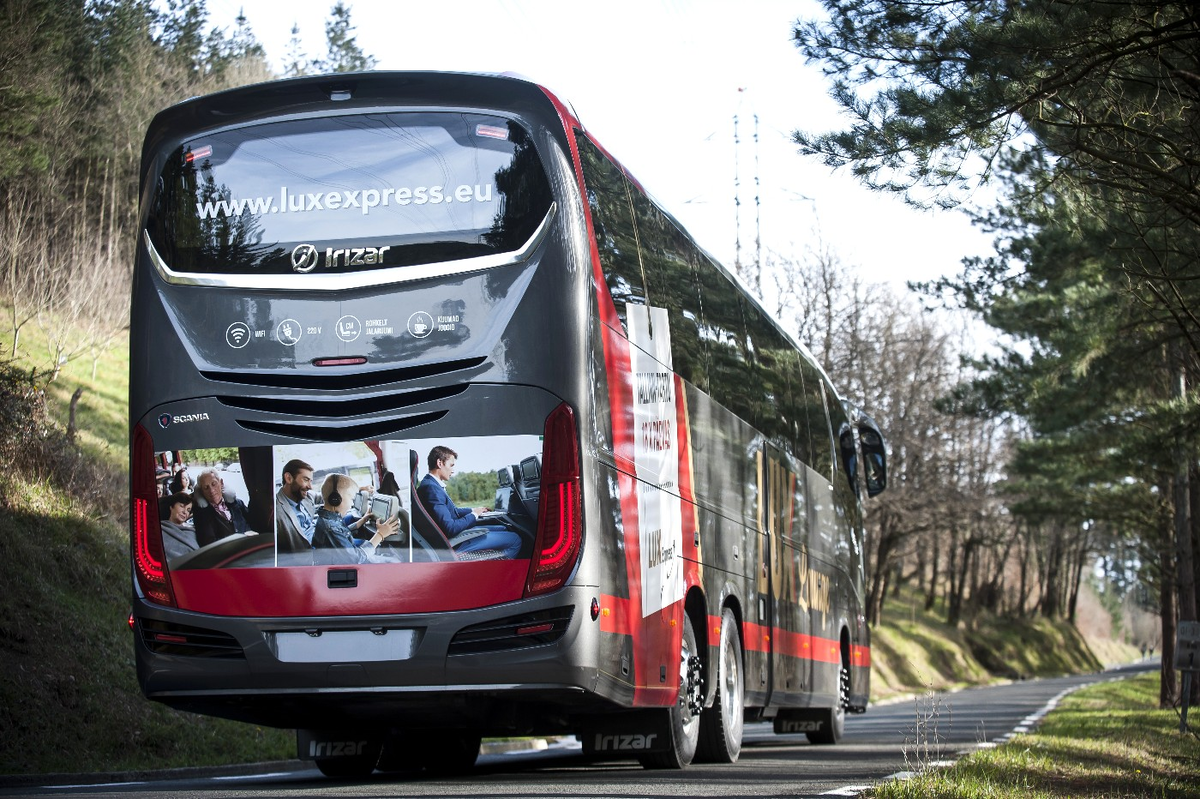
[
  {"x": 182, "y": 33},
  {"x": 81, "y": 82},
  {"x": 295, "y": 62},
  {"x": 1109, "y": 90},
  {"x": 1092, "y": 109},
  {"x": 1091, "y": 369},
  {"x": 940, "y": 519},
  {"x": 239, "y": 58},
  {"x": 344, "y": 54}
]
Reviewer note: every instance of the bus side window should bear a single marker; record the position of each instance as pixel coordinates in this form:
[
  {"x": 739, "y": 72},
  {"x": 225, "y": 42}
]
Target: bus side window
[
  {"x": 769, "y": 377},
  {"x": 725, "y": 340},
  {"x": 793, "y": 413},
  {"x": 845, "y": 493},
  {"x": 819, "y": 437},
  {"x": 612, "y": 220},
  {"x": 671, "y": 280}
]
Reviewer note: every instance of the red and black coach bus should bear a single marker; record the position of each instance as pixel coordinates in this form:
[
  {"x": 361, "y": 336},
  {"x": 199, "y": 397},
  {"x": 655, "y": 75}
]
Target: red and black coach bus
[{"x": 363, "y": 273}]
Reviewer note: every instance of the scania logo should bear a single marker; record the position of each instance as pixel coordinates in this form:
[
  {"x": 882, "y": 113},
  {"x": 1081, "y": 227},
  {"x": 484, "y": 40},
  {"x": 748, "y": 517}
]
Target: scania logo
[
  {"x": 304, "y": 258},
  {"x": 167, "y": 419}
]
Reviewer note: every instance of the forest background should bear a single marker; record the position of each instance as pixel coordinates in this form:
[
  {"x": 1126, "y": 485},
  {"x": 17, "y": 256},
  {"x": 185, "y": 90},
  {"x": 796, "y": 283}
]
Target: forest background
[{"x": 1052, "y": 478}]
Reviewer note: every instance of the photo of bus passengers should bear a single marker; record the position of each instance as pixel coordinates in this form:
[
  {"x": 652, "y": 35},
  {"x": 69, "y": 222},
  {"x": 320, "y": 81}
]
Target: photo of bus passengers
[
  {"x": 336, "y": 539},
  {"x": 216, "y": 521},
  {"x": 465, "y": 529},
  {"x": 477, "y": 496},
  {"x": 406, "y": 501},
  {"x": 350, "y": 481}
]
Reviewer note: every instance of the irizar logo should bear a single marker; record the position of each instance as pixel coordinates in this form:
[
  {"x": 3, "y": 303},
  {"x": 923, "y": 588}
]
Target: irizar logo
[
  {"x": 336, "y": 748},
  {"x": 306, "y": 257},
  {"x": 624, "y": 743},
  {"x": 788, "y": 725}
]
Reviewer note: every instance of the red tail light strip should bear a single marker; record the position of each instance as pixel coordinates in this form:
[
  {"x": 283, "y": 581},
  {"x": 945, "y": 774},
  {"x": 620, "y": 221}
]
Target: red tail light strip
[
  {"x": 559, "y": 530},
  {"x": 148, "y": 556}
]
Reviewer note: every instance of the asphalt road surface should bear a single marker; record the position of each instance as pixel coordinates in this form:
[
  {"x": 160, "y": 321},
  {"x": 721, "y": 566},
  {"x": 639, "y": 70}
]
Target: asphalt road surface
[{"x": 887, "y": 741}]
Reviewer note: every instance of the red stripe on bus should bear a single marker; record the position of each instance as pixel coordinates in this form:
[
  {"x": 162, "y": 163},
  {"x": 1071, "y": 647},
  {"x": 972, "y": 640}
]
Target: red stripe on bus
[
  {"x": 283, "y": 592},
  {"x": 808, "y": 647},
  {"x": 760, "y": 638},
  {"x": 614, "y": 615},
  {"x": 690, "y": 524}
]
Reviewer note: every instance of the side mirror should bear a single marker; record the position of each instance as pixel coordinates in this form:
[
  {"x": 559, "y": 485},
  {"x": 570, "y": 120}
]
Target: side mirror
[{"x": 874, "y": 455}]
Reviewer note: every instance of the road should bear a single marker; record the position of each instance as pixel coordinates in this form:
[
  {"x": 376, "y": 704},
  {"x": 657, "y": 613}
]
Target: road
[{"x": 888, "y": 740}]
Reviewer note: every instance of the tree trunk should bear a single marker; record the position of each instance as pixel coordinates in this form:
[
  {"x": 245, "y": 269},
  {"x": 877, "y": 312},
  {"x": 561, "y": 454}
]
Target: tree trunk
[
  {"x": 878, "y": 576},
  {"x": 1185, "y": 570},
  {"x": 1076, "y": 580},
  {"x": 1052, "y": 588},
  {"x": 955, "y": 611},
  {"x": 1167, "y": 690},
  {"x": 922, "y": 566},
  {"x": 71, "y": 415},
  {"x": 931, "y": 594}
]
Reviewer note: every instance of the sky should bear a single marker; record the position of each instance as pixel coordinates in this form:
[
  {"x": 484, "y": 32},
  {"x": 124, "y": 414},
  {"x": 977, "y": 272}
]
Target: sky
[{"x": 659, "y": 84}]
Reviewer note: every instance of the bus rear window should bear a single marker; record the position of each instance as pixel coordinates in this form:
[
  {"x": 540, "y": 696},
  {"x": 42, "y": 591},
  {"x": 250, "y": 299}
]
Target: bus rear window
[{"x": 348, "y": 193}]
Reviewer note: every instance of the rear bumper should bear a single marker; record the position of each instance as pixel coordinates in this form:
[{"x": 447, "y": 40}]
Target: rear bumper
[{"x": 515, "y": 676}]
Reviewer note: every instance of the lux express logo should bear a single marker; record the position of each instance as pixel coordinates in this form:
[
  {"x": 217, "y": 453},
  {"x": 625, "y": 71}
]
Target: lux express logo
[
  {"x": 165, "y": 420},
  {"x": 290, "y": 201}
]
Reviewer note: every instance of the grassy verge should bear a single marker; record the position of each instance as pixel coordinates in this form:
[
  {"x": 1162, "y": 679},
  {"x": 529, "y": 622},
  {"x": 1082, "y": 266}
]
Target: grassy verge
[
  {"x": 1108, "y": 740},
  {"x": 69, "y": 699},
  {"x": 913, "y": 650}
]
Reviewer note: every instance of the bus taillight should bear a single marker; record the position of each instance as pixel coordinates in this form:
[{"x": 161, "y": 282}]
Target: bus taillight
[
  {"x": 150, "y": 563},
  {"x": 560, "y": 526}
]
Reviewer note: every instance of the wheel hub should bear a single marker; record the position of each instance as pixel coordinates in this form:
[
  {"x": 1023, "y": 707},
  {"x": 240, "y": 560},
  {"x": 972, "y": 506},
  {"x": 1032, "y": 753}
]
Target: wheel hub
[{"x": 693, "y": 685}]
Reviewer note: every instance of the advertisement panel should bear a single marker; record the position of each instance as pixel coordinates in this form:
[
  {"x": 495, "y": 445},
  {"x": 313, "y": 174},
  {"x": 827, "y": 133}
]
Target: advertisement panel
[{"x": 388, "y": 502}]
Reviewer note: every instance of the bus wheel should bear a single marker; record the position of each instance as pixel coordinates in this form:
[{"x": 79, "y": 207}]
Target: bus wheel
[
  {"x": 685, "y": 715},
  {"x": 721, "y": 726},
  {"x": 835, "y": 722},
  {"x": 452, "y": 754},
  {"x": 438, "y": 752}
]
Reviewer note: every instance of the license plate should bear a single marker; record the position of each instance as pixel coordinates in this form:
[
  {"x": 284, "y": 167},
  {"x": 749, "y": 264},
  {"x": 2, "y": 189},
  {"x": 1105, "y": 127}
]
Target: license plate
[{"x": 344, "y": 646}]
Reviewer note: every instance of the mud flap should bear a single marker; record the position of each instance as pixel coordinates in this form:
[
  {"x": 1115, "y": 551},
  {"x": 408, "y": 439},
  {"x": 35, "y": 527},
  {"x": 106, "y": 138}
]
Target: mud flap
[
  {"x": 324, "y": 744},
  {"x": 627, "y": 734},
  {"x": 800, "y": 721}
]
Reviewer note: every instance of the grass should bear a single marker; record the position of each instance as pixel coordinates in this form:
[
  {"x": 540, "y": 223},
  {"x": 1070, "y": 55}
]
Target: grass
[
  {"x": 69, "y": 698},
  {"x": 1002, "y": 646},
  {"x": 102, "y": 415},
  {"x": 916, "y": 651},
  {"x": 912, "y": 650},
  {"x": 1108, "y": 740}
]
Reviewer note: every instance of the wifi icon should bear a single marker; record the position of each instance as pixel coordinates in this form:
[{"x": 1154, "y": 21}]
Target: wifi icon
[{"x": 238, "y": 335}]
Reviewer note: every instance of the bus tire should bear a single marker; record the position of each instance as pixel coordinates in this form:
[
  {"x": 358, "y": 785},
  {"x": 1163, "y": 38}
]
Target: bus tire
[
  {"x": 452, "y": 754},
  {"x": 721, "y": 725},
  {"x": 835, "y": 722},
  {"x": 685, "y": 713},
  {"x": 437, "y": 752}
]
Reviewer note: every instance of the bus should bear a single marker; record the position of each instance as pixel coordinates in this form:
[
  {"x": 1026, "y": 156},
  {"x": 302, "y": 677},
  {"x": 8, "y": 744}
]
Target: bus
[{"x": 597, "y": 489}]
